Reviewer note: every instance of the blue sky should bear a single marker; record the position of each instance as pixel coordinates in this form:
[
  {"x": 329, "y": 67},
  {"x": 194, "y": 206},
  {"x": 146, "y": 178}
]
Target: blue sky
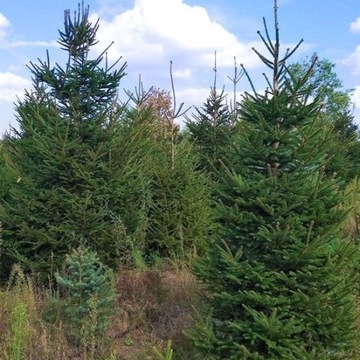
[{"x": 150, "y": 33}]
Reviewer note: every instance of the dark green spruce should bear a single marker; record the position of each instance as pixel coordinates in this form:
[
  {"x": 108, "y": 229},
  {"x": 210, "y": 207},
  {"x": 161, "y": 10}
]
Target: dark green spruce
[
  {"x": 210, "y": 130},
  {"x": 62, "y": 158},
  {"x": 279, "y": 278}
]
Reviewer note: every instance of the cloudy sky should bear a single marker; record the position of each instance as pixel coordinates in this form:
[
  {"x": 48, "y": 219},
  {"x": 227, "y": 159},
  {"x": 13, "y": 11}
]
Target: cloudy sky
[{"x": 148, "y": 34}]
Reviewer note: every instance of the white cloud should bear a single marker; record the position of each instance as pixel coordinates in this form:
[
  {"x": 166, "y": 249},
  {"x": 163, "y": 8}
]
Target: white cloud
[
  {"x": 151, "y": 33},
  {"x": 355, "y": 26},
  {"x": 11, "y": 86},
  {"x": 38, "y": 43},
  {"x": 182, "y": 74},
  {"x": 353, "y": 61},
  {"x": 4, "y": 24},
  {"x": 154, "y": 32},
  {"x": 193, "y": 96},
  {"x": 6, "y": 43},
  {"x": 196, "y": 96},
  {"x": 356, "y": 96}
]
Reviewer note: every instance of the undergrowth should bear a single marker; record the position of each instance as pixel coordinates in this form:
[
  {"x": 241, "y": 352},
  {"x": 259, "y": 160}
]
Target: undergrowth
[{"x": 155, "y": 307}]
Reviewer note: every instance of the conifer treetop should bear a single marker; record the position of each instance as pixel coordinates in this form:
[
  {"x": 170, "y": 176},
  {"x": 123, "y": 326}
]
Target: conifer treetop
[
  {"x": 84, "y": 88},
  {"x": 79, "y": 34},
  {"x": 275, "y": 62}
]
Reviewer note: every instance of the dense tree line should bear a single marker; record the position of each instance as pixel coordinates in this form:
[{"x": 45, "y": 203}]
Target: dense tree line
[
  {"x": 88, "y": 170},
  {"x": 255, "y": 197}
]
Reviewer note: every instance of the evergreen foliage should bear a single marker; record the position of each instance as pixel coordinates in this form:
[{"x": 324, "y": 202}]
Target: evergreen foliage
[
  {"x": 210, "y": 129},
  {"x": 6, "y": 177},
  {"x": 62, "y": 158},
  {"x": 176, "y": 207},
  {"x": 279, "y": 279},
  {"x": 88, "y": 170},
  {"x": 88, "y": 293},
  {"x": 180, "y": 215},
  {"x": 336, "y": 112}
]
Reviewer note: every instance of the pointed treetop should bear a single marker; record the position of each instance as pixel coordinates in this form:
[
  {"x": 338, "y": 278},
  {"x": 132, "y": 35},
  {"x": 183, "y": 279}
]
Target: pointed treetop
[
  {"x": 79, "y": 34},
  {"x": 276, "y": 63}
]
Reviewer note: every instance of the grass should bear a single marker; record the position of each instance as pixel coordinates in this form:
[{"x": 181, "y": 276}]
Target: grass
[{"x": 155, "y": 307}]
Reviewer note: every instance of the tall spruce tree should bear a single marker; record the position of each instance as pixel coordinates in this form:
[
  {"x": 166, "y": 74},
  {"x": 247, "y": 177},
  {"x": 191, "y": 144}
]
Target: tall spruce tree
[
  {"x": 210, "y": 128},
  {"x": 279, "y": 279},
  {"x": 63, "y": 158}
]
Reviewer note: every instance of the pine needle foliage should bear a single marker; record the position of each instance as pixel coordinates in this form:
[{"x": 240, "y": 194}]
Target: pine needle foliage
[
  {"x": 6, "y": 176},
  {"x": 180, "y": 216},
  {"x": 62, "y": 157},
  {"x": 87, "y": 295},
  {"x": 210, "y": 129},
  {"x": 337, "y": 112},
  {"x": 176, "y": 214},
  {"x": 279, "y": 278}
]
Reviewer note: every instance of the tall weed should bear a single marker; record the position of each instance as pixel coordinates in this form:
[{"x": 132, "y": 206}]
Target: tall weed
[{"x": 20, "y": 304}]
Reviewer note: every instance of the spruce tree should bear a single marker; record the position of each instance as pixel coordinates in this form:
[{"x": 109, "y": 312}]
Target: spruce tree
[
  {"x": 62, "y": 156},
  {"x": 6, "y": 176},
  {"x": 179, "y": 214},
  {"x": 210, "y": 129},
  {"x": 176, "y": 208},
  {"x": 279, "y": 279},
  {"x": 88, "y": 296}
]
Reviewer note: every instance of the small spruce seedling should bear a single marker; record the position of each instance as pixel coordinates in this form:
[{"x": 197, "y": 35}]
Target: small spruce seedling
[{"x": 87, "y": 288}]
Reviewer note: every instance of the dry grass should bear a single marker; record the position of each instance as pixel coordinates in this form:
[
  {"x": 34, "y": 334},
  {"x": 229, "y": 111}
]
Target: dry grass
[{"x": 154, "y": 306}]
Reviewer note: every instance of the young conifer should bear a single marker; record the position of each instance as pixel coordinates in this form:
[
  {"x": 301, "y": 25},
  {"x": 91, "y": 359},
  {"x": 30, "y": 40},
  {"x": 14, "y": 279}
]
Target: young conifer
[
  {"x": 177, "y": 205},
  {"x": 279, "y": 278},
  {"x": 87, "y": 289},
  {"x": 210, "y": 128}
]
